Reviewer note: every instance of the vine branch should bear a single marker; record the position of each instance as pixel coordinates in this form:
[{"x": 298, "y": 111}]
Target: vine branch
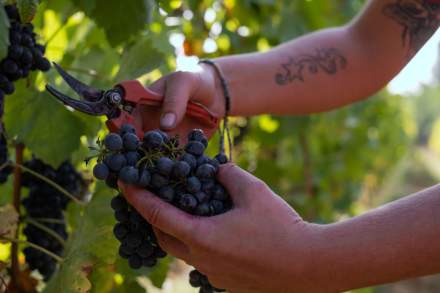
[
  {"x": 15, "y": 266},
  {"x": 38, "y": 247}
]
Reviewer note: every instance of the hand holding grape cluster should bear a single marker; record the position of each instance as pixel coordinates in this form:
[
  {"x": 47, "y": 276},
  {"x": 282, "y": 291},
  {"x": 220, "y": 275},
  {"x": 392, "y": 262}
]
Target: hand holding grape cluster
[{"x": 183, "y": 177}]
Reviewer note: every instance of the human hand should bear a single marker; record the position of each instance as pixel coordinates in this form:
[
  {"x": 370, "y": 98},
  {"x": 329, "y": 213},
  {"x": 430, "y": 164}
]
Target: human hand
[
  {"x": 178, "y": 89},
  {"x": 261, "y": 245}
]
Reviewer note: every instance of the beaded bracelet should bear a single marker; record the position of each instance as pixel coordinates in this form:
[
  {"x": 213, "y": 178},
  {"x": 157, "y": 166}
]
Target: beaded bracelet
[{"x": 227, "y": 96}]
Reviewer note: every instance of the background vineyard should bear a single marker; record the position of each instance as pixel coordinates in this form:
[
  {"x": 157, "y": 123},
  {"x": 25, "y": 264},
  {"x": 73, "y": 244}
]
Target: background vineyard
[{"x": 328, "y": 166}]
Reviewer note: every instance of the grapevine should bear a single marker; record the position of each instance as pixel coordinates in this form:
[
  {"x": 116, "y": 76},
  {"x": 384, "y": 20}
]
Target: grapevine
[
  {"x": 44, "y": 201},
  {"x": 181, "y": 176},
  {"x": 24, "y": 54}
]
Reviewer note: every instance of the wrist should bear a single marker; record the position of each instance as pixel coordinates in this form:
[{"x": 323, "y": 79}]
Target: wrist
[{"x": 211, "y": 78}]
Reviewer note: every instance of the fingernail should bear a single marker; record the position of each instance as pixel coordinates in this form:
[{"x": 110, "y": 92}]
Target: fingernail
[{"x": 168, "y": 120}]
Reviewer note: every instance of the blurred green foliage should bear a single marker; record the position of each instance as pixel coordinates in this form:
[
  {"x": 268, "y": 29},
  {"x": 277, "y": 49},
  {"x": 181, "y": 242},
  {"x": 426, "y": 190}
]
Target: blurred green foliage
[{"x": 321, "y": 164}]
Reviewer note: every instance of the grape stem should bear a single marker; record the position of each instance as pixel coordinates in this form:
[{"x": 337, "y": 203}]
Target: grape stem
[
  {"x": 46, "y": 229},
  {"x": 46, "y": 220},
  {"x": 42, "y": 249},
  {"x": 50, "y": 182},
  {"x": 15, "y": 265}
]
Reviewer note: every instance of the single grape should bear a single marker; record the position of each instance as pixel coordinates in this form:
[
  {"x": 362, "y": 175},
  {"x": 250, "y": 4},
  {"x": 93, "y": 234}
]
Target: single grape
[
  {"x": 221, "y": 158},
  {"x": 164, "y": 166},
  {"x": 144, "y": 178},
  {"x": 166, "y": 193},
  {"x": 219, "y": 193},
  {"x": 127, "y": 128},
  {"x": 134, "y": 239},
  {"x": 43, "y": 64},
  {"x": 129, "y": 175},
  {"x": 120, "y": 231},
  {"x": 119, "y": 203},
  {"x": 195, "y": 148},
  {"x": 203, "y": 210},
  {"x": 132, "y": 158},
  {"x": 196, "y": 135},
  {"x": 201, "y": 196},
  {"x": 205, "y": 171},
  {"x": 153, "y": 139},
  {"x": 131, "y": 142},
  {"x": 101, "y": 171},
  {"x": 121, "y": 215},
  {"x": 193, "y": 184},
  {"x": 190, "y": 160},
  {"x": 188, "y": 202},
  {"x": 115, "y": 162},
  {"x": 216, "y": 207},
  {"x": 113, "y": 142},
  {"x": 181, "y": 169}
]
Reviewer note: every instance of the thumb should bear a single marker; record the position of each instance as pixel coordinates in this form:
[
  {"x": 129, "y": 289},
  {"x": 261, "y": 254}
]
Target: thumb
[
  {"x": 240, "y": 184},
  {"x": 159, "y": 213},
  {"x": 179, "y": 87}
]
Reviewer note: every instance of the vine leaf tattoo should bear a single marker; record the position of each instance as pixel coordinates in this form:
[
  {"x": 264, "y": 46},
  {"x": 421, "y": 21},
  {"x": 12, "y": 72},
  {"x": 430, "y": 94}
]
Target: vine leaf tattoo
[
  {"x": 328, "y": 60},
  {"x": 419, "y": 19}
]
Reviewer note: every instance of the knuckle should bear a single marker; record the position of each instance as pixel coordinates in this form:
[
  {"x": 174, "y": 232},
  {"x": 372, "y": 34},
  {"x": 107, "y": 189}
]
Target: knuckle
[{"x": 153, "y": 217}]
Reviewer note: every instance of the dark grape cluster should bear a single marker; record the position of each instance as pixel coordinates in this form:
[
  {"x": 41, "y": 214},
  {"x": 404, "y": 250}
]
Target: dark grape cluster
[
  {"x": 182, "y": 176},
  {"x": 24, "y": 54},
  {"x": 6, "y": 170},
  {"x": 46, "y": 204}
]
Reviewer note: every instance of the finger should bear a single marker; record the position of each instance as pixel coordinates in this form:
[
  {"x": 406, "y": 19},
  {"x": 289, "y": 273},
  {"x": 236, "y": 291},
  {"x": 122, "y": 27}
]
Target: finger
[
  {"x": 240, "y": 184},
  {"x": 178, "y": 89},
  {"x": 159, "y": 213},
  {"x": 172, "y": 245},
  {"x": 159, "y": 86}
]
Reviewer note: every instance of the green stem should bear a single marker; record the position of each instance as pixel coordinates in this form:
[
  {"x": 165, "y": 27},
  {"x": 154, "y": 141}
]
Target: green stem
[
  {"x": 42, "y": 249},
  {"x": 48, "y": 220},
  {"x": 46, "y": 229},
  {"x": 50, "y": 182}
]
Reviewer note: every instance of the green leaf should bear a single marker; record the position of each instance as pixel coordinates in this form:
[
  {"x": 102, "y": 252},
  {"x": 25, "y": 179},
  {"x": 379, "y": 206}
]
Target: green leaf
[
  {"x": 129, "y": 287},
  {"x": 122, "y": 19},
  {"x": 139, "y": 59},
  {"x": 47, "y": 128},
  {"x": 27, "y": 9},
  {"x": 159, "y": 272},
  {"x": 4, "y": 33},
  {"x": 91, "y": 247},
  {"x": 86, "y": 5}
]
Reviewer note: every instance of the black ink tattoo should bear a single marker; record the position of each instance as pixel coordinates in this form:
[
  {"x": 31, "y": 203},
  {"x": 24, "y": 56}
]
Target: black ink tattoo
[
  {"x": 328, "y": 60},
  {"x": 419, "y": 19}
]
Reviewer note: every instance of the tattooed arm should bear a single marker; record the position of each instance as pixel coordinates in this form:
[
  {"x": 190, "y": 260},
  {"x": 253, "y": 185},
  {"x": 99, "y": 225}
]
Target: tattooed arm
[
  {"x": 333, "y": 67},
  {"x": 318, "y": 72}
]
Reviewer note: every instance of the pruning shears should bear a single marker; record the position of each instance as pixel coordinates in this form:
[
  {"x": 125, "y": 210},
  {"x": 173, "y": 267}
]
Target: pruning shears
[{"x": 120, "y": 102}]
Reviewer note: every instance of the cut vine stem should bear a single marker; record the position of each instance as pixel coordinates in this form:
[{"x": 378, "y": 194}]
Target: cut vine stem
[
  {"x": 45, "y": 229},
  {"x": 42, "y": 249}
]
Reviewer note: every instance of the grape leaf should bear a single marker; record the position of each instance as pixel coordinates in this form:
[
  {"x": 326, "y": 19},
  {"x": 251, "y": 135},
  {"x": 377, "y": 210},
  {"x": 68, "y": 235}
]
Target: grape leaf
[
  {"x": 121, "y": 19},
  {"x": 46, "y": 127},
  {"x": 139, "y": 59},
  {"x": 27, "y": 9},
  {"x": 8, "y": 221},
  {"x": 4, "y": 33},
  {"x": 86, "y": 5},
  {"x": 159, "y": 273},
  {"x": 89, "y": 248}
]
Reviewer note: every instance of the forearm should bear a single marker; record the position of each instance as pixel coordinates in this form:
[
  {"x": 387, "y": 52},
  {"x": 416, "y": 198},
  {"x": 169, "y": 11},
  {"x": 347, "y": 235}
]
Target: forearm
[
  {"x": 329, "y": 68},
  {"x": 398, "y": 241}
]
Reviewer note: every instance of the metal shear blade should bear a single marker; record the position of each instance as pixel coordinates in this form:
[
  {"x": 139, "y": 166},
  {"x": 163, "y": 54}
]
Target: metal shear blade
[
  {"x": 92, "y": 108},
  {"x": 84, "y": 91}
]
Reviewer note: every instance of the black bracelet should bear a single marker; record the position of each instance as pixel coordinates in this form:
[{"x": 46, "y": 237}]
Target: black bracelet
[{"x": 227, "y": 96}]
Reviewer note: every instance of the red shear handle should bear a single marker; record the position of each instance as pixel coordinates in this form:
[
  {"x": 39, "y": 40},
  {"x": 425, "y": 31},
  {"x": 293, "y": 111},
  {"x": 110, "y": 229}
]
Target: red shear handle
[{"x": 137, "y": 94}]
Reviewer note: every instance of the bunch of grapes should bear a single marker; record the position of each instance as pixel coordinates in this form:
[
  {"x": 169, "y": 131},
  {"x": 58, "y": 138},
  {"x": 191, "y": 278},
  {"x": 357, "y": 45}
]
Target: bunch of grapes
[
  {"x": 183, "y": 177},
  {"x": 24, "y": 54},
  {"x": 46, "y": 204},
  {"x": 5, "y": 171}
]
